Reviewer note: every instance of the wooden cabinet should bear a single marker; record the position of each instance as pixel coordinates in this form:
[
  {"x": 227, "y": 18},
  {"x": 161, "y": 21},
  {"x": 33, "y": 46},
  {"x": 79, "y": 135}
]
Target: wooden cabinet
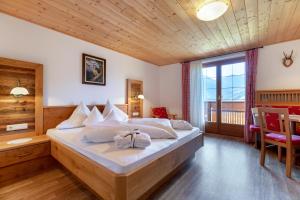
[
  {"x": 22, "y": 159},
  {"x": 135, "y": 98}
]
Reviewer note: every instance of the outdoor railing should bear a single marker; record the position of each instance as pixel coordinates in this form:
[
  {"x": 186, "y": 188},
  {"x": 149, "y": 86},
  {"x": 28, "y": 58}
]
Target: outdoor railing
[{"x": 233, "y": 114}]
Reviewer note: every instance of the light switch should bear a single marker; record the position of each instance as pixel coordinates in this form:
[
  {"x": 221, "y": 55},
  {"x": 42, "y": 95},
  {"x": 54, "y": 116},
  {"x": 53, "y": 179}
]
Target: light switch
[{"x": 14, "y": 127}]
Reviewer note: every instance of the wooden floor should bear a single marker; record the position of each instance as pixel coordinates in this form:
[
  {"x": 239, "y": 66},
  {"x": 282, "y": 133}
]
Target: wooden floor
[{"x": 222, "y": 170}]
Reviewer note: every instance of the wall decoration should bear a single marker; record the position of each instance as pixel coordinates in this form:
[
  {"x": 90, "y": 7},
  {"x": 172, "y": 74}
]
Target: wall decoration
[
  {"x": 288, "y": 60},
  {"x": 93, "y": 70}
]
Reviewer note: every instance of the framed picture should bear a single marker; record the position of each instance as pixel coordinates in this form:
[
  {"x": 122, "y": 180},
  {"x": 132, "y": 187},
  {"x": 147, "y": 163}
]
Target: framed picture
[{"x": 93, "y": 70}]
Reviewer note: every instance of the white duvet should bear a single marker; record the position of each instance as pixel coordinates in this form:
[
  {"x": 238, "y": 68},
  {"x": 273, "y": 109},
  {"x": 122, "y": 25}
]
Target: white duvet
[{"x": 106, "y": 131}]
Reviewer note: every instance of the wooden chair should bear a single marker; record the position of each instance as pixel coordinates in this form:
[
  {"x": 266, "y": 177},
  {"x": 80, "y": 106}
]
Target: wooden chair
[{"x": 275, "y": 129}]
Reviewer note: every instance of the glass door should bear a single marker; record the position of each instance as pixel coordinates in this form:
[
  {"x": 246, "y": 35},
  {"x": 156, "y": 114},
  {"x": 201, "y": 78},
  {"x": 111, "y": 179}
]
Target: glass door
[
  {"x": 233, "y": 98},
  {"x": 224, "y": 97}
]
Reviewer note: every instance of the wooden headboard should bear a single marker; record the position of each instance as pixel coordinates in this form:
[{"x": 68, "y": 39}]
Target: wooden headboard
[
  {"x": 278, "y": 97},
  {"x": 53, "y": 115}
]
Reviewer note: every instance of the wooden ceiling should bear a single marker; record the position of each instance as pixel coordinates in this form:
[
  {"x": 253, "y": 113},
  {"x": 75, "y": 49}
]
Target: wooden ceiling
[{"x": 164, "y": 31}]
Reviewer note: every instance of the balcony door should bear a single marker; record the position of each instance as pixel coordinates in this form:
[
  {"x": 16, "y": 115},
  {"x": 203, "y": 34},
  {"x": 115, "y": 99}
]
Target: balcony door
[{"x": 224, "y": 96}]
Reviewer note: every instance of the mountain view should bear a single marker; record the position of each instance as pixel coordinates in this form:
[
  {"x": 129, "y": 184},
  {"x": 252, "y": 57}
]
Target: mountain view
[{"x": 233, "y": 83}]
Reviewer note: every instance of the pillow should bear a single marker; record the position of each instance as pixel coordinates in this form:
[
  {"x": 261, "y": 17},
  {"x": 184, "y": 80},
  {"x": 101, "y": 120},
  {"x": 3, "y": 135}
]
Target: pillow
[
  {"x": 156, "y": 122},
  {"x": 113, "y": 116},
  {"x": 76, "y": 119},
  {"x": 94, "y": 117},
  {"x": 181, "y": 125},
  {"x": 121, "y": 115}
]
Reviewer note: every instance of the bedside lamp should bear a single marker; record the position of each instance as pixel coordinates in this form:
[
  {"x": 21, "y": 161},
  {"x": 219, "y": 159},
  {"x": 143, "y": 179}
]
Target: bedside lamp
[
  {"x": 141, "y": 96},
  {"x": 19, "y": 91}
]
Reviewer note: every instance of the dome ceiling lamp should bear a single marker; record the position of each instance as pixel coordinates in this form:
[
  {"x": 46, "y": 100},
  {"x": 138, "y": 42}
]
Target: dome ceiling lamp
[{"x": 212, "y": 9}]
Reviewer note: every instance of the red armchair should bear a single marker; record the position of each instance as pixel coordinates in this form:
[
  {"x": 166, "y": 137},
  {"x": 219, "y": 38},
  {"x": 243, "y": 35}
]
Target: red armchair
[{"x": 161, "y": 112}]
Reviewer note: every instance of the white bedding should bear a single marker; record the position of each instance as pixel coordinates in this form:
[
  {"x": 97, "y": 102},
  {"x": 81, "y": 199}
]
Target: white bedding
[{"x": 125, "y": 160}]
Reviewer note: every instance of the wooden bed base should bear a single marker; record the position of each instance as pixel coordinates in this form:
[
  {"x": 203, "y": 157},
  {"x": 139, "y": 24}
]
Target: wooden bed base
[
  {"x": 104, "y": 182},
  {"x": 129, "y": 186}
]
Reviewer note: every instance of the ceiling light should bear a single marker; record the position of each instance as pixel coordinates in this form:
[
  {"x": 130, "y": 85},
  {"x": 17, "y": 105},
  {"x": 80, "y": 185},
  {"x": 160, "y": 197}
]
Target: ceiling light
[{"x": 212, "y": 9}]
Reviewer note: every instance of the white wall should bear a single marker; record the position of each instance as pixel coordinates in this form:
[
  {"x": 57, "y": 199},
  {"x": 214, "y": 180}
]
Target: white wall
[
  {"x": 271, "y": 74},
  {"x": 61, "y": 56},
  {"x": 170, "y": 88}
]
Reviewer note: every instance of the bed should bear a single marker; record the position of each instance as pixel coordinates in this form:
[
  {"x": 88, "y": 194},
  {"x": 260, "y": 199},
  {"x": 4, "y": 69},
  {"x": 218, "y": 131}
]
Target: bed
[{"x": 119, "y": 174}]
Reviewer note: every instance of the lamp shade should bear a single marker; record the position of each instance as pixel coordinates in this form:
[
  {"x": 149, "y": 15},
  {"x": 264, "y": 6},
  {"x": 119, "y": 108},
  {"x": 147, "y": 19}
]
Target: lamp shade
[
  {"x": 141, "y": 96},
  {"x": 19, "y": 91},
  {"x": 212, "y": 9}
]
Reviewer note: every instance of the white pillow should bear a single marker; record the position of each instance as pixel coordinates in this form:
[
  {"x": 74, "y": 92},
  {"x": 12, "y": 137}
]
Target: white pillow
[
  {"x": 94, "y": 117},
  {"x": 181, "y": 125},
  {"x": 122, "y": 116},
  {"x": 156, "y": 122},
  {"x": 113, "y": 116},
  {"x": 76, "y": 119}
]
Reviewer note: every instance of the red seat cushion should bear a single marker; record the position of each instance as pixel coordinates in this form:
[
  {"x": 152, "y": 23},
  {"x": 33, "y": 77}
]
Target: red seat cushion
[
  {"x": 282, "y": 138},
  {"x": 294, "y": 110},
  {"x": 254, "y": 128},
  {"x": 161, "y": 112}
]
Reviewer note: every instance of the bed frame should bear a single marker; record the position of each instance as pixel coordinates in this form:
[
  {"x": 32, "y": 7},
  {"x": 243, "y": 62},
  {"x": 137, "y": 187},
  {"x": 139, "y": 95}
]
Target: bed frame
[{"x": 137, "y": 184}]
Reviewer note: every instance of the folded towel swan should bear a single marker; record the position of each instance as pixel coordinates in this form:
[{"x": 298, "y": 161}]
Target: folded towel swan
[{"x": 132, "y": 139}]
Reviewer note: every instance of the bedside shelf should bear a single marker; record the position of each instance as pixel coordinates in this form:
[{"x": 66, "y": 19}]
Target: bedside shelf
[{"x": 35, "y": 140}]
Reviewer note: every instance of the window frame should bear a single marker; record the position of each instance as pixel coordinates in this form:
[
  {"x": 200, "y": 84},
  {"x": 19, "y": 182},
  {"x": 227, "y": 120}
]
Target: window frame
[{"x": 218, "y": 127}]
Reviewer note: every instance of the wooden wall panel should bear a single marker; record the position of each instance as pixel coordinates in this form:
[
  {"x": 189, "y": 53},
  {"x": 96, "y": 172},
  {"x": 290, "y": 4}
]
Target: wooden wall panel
[
  {"x": 15, "y": 110},
  {"x": 25, "y": 109}
]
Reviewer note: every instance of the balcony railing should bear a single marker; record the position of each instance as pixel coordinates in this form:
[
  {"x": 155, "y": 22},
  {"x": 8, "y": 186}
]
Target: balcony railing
[{"x": 231, "y": 112}]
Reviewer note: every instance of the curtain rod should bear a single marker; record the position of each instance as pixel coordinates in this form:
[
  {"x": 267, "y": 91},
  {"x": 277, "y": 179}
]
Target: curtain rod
[{"x": 224, "y": 54}]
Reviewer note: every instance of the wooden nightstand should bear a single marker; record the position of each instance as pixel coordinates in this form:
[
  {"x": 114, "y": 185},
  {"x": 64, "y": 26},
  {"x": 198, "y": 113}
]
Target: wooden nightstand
[{"x": 21, "y": 159}]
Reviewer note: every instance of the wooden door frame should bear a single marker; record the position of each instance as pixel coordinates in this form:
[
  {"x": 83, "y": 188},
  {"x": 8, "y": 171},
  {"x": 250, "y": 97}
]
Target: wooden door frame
[{"x": 219, "y": 127}]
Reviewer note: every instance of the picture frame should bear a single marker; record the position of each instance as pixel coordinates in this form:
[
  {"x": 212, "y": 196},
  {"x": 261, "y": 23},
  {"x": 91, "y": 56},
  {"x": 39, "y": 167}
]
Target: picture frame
[{"x": 93, "y": 70}]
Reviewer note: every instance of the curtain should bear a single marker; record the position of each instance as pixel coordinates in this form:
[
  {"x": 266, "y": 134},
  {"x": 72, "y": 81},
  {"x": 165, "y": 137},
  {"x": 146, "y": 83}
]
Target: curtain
[
  {"x": 196, "y": 95},
  {"x": 251, "y": 69},
  {"x": 185, "y": 91}
]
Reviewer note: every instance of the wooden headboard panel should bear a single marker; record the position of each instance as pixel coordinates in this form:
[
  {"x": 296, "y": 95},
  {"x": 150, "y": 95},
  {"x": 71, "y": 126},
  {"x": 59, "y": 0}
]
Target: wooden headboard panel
[
  {"x": 53, "y": 115},
  {"x": 278, "y": 97}
]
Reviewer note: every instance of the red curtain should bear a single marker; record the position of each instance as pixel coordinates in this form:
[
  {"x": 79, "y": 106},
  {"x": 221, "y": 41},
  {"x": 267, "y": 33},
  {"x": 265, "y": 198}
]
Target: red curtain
[
  {"x": 251, "y": 69},
  {"x": 186, "y": 91}
]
